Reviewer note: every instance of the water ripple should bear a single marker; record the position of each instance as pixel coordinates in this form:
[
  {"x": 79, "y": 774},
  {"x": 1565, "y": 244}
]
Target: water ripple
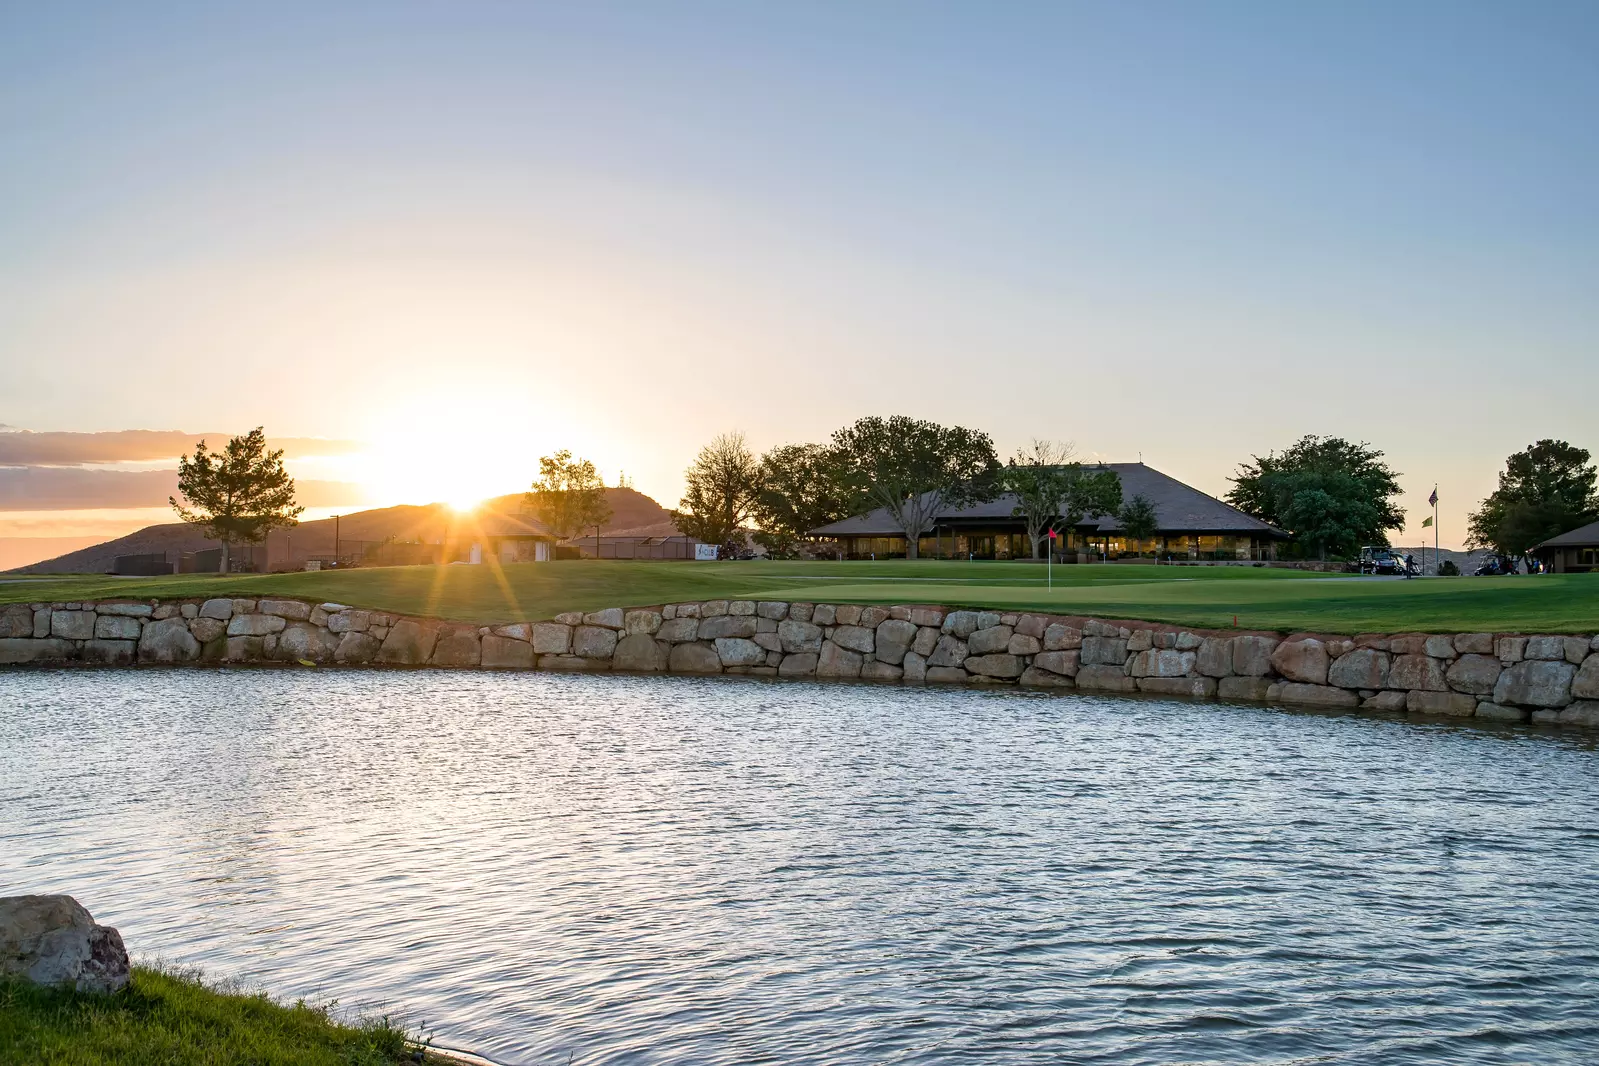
[{"x": 671, "y": 870}]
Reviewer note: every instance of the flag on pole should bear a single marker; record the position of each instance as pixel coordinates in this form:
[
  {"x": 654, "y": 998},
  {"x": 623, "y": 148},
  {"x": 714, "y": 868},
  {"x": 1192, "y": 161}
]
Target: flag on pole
[
  {"x": 1426, "y": 522},
  {"x": 1433, "y": 499}
]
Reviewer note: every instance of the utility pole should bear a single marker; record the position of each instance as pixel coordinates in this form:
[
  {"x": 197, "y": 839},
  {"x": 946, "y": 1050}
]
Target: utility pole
[{"x": 335, "y": 542}]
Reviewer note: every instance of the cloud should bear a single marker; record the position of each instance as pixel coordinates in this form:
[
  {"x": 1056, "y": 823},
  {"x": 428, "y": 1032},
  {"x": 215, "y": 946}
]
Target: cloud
[
  {"x": 24, "y": 447},
  {"x": 66, "y": 488}
]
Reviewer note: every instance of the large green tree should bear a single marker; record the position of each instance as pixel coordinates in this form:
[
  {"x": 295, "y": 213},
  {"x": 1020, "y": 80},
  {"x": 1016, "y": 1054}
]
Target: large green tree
[
  {"x": 915, "y": 469},
  {"x": 1038, "y": 477},
  {"x": 720, "y": 490},
  {"x": 802, "y": 486},
  {"x": 1335, "y": 496},
  {"x": 569, "y": 495},
  {"x": 1544, "y": 490},
  {"x": 1138, "y": 518},
  {"x": 237, "y": 495}
]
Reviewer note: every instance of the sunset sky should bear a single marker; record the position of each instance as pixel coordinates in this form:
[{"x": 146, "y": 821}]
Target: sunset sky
[{"x": 427, "y": 243}]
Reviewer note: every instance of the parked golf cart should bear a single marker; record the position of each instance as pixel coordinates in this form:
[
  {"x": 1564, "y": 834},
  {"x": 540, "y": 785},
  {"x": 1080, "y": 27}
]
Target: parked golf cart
[
  {"x": 1377, "y": 559},
  {"x": 1495, "y": 566}
]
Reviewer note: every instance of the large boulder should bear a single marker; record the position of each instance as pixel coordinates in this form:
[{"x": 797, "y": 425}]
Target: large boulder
[
  {"x": 1105, "y": 678},
  {"x": 894, "y": 640},
  {"x": 694, "y": 659},
  {"x": 799, "y": 664},
  {"x": 168, "y": 641},
  {"x": 255, "y": 625},
  {"x": 72, "y": 625},
  {"x": 737, "y": 651},
  {"x": 610, "y": 618},
  {"x": 302, "y": 640},
  {"x": 356, "y": 648},
  {"x": 998, "y": 664},
  {"x": 855, "y": 638},
  {"x": 109, "y": 652},
  {"x": 1161, "y": 663},
  {"x": 552, "y": 638},
  {"x": 1252, "y": 655},
  {"x": 643, "y": 621},
  {"x": 1215, "y": 657},
  {"x": 1361, "y": 668},
  {"x": 835, "y": 661},
  {"x": 1316, "y": 695},
  {"x": 1064, "y": 663},
  {"x": 1475, "y": 673},
  {"x": 30, "y": 650},
  {"x": 1061, "y": 637},
  {"x": 16, "y": 622},
  {"x": 594, "y": 642},
  {"x": 506, "y": 653},
  {"x": 683, "y": 630},
  {"x": 987, "y": 641},
  {"x": 408, "y": 643},
  {"x": 1585, "y": 684},
  {"x": 638, "y": 651},
  {"x": 116, "y": 627},
  {"x": 960, "y": 624},
  {"x": 1194, "y": 687},
  {"x": 292, "y": 610},
  {"x": 1456, "y": 704},
  {"x": 53, "y": 941},
  {"x": 1536, "y": 683},
  {"x": 727, "y": 625},
  {"x": 1303, "y": 661},
  {"x": 1104, "y": 651},
  {"x": 1247, "y": 687},
  {"x": 949, "y": 652},
  {"x": 1420, "y": 672}
]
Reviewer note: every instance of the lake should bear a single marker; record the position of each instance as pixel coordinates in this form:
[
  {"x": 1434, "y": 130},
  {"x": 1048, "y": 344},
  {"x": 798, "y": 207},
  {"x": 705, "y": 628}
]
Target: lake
[{"x": 605, "y": 870}]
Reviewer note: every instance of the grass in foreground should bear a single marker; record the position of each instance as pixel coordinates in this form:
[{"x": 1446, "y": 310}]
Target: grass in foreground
[
  {"x": 176, "y": 1020},
  {"x": 1185, "y": 595}
]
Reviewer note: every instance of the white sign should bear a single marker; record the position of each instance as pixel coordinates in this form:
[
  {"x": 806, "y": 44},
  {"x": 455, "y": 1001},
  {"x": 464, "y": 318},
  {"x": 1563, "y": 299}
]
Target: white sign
[{"x": 705, "y": 553}]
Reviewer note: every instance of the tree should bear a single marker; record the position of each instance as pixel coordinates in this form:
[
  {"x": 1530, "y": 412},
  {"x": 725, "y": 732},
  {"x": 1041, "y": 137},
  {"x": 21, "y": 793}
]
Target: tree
[
  {"x": 569, "y": 495},
  {"x": 915, "y": 469},
  {"x": 1138, "y": 518},
  {"x": 1333, "y": 495},
  {"x": 1038, "y": 476},
  {"x": 721, "y": 490},
  {"x": 239, "y": 494},
  {"x": 1090, "y": 491},
  {"x": 801, "y": 487},
  {"x": 1544, "y": 490}
]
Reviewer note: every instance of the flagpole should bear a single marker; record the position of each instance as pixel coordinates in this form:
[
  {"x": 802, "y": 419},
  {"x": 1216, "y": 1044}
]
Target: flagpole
[{"x": 1435, "y": 527}]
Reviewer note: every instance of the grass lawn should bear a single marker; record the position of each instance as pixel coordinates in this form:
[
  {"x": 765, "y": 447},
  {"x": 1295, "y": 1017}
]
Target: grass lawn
[
  {"x": 176, "y": 1020},
  {"x": 1188, "y": 595}
]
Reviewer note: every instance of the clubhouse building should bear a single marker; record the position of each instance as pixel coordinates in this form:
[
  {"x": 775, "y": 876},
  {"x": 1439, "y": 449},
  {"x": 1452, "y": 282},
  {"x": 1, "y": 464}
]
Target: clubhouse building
[{"x": 1191, "y": 526}]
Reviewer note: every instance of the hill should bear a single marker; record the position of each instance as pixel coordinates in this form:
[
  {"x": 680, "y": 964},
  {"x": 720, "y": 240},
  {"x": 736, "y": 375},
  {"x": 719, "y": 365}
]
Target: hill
[{"x": 287, "y": 549}]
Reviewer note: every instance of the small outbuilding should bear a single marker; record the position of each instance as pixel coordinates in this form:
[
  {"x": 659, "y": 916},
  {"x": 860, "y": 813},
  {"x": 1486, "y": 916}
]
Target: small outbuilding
[{"x": 1574, "y": 552}]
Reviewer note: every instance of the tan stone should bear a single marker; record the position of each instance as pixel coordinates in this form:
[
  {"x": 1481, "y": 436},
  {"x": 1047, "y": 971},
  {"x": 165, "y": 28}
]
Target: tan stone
[
  {"x": 727, "y": 625},
  {"x": 506, "y": 653},
  {"x": 1193, "y": 687},
  {"x": 1456, "y": 704},
  {"x": 1103, "y": 678},
  {"x": 593, "y": 642},
  {"x": 1495, "y": 712},
  {"x": 915, "y": 666},
  {"x": 642, "y": 621},
  {"x": 738, "y": 651},
  {"x": 1064, "y": 663},
  {"x": 1021, "y": 644},
  {"x": 1474, "y": 643},
  {"x": 551, "y": 638},
  {"x": 1585, "y": 683},
  {"x": 984, "y": 641},
  {"x": 855, "y": 638},
  {"x": 1061, "y": 637},
  {"x": 877, "y": 671},
  {"x": 1316, "y": 695},
  {"x": 946, "y": 675},
  {"x": 1474, "y": 673},
  {"x": 1304, "y": 661},
  {"x": 798, "y": 664},
  {"x": 1044, "y": 679},
  {"x": 1420, "y": 672},
  {"x": 1390, "y": 702},
  {"x": 798, "y": 636},
  {"x": 292, "y": 610},
  {"x": 995, "y": 665},
  {"x": 457, "y": 646},
  {"x": 408, "y": 643},
  {"x": 1361, "y": 668},
  {"x": 356, "y": 648},
  {"x": 1242, "y": 688},
  {"x": 1535, "y": 683},
  {"x": 835, "y": 661}
]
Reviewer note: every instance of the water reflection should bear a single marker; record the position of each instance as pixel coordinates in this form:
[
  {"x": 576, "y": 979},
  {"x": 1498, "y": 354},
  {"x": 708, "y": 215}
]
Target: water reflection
[{"x": 636, "y": 870}]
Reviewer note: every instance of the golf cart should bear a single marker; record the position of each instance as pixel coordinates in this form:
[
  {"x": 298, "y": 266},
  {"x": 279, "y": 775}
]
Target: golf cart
[
  {"x": 1379, "y": 559},
  {"x": 1495, "y": 566}
]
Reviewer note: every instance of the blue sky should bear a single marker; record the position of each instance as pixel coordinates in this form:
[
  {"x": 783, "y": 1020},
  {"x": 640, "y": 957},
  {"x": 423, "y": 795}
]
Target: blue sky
[{"x": 1191, "y": 231}]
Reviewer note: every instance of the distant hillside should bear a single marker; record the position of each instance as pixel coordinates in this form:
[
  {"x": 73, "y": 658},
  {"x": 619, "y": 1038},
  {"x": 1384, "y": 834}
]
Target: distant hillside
[{"x": 287, "y": 549}]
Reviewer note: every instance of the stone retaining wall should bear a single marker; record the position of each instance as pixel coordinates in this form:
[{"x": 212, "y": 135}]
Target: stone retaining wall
[{"x": 1509, "y": 677}]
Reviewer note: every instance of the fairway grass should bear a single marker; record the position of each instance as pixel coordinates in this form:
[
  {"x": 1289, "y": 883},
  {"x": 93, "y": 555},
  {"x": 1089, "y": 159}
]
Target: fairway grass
[{"x": 1201, "y": 596}]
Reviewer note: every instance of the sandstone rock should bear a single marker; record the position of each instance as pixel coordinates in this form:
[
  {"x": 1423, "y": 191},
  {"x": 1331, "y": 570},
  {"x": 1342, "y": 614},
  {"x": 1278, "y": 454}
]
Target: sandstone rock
[
  {"x": 915, "y": 666},
  {"x": 1361, "y": 668},
  {"x": 127, "y": 610},
  {"x": 1440, "y": 647},
  {"x": 872, "y": 617},
  {"x": 1585, "y": 683},
  {"x": 1036, "y": 678},
  {"x": 1408, "y": 644},
  {"x": 1061, "y": 637},
  {"x": 41, "y": 623},
  {"x": 1189, "y": 641},
  {"x": 1104, "y": 651},
  {"x": 1536, "y": 683},
  {"x": 1417, "y": 672},
  {"x": 1252, "y": 655},
  {"x": 1242, "y": 688},
  {"x": 950, "y": 651},
  {"x": 737, "y": 651},
  {"x": 946, "y": 675},
  {"x": 1500, "y": 714},
  {"x": 244, "y": 649},
  {"x": 408, "y": 643},
  {"x": 985, "y": 641},
  {"x": 1474, "y": 643},
  {"x": 551, "y": 638},
  {"x": 116, "y": 627},
  {"x": 52, "y": 941},
  {"x": 713, "y": 608},
  {"x": 168, "y": 641},
  {"x": 835, "y": 661},
  {"x": 457, "y": 646},
  {"x": 1456, "y": 704},
  {"x": 1021, "y": 644},
  {"x": 693, "y": 659},
  {"x": 517, "y": 631},
  {"x": 823, "y": 614},
  {"x": 72, "y": 625},
  {"x": 855, "y": 638},
  {"x": 960, "y": 624},
  {"x": 1215, "y": 657},
  {"x": 679, "y": 630},
  {"x": 799, "y": 664},
  {"x": 1391, "y": 702},
  {"x": 1103, "y": 678},
  {"x": 770, "y": 641},
  {"x": 610, "y": 618},
  {"x": 927, "y": 638},
  {"x": 1576, "y": 649},
  {"x": 640, "y": 652},
  {"x": 876, "y": 671},
  {"x": 1475, "y": 673},
  {"x": 727, "y": 625},
  {"x": 570, "y": 618},
  {"x": 1304, "y": 661},
  {"x": 161, "y": 613},
  {"x": 688, "y": 610},
  {"x": 1032, "y": 625},
  {"x": 350, "y": 622},
  {"x": 1544, "y": 648},
  {"x": 570, "y": 663},
  {"x": 302, "y": 640},
  {"x": 776, "y": 610},
  {"x": 356, "y": 648},
  {"x": 1161, "y": 663},
  {"x": 1141, "y": 640},
  {"x": 109, "y": 652},
  {"x": 1194, "y": 687},
  {"x": 1316, "y": 695},
  {"x": 1585, "y": 713},
  {"x": 894, "y": 639},
  {"x": 999, "y": 664},
  {"x": 797, "y": 636},
  {"x": 255, "y": 625},
  {"x": 643, "y": 621},
  {"x": 289, "y": 609},
  {"x": 1064, "y": 663},
  {"x": 15, "y": 623},
  {"x": 593, "y": 642},
  {"x": 1510, "y": 649},
  {"x": 927, "y": 616},
  {"x": 847, "y": 614},
  {"x": 219, "y": 609},
  {"x": 741, "y": 607}
]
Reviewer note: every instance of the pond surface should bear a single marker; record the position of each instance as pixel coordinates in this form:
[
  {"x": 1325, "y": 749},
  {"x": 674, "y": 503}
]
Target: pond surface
[{"x": 612, "y": 870}]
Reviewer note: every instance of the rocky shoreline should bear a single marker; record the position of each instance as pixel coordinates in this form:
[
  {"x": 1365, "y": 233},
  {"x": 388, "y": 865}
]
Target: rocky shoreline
[{"x": 1501, "y": 676}]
